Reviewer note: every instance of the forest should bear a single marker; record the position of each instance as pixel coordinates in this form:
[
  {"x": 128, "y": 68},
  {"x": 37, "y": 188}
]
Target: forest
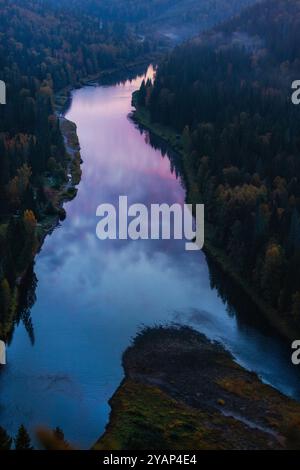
[
  {"x": 227, "y": 93},
  {"x": 142, "y": 12},
  {"x": 225, "y": 96},
  {"x": 42, "y": 50},
  {"x": 168, "y": 21},
  {"x": 46, "y": 46}
]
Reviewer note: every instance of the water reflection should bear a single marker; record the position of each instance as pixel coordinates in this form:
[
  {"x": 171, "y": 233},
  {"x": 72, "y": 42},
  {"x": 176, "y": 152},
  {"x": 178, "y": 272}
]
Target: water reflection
[
  {"x": 27, "y": 298},
  {"x": 92, "y": 296}
]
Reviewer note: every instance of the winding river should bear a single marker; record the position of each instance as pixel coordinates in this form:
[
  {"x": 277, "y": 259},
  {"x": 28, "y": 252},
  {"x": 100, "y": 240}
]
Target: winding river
[{"x": 93, "y": 296}]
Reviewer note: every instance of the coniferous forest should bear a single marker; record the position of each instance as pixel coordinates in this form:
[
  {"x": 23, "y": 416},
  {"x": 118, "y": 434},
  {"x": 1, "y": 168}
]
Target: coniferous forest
[
  {"x": 167, "y": 101},
  {"x": 228, "y": 94}
]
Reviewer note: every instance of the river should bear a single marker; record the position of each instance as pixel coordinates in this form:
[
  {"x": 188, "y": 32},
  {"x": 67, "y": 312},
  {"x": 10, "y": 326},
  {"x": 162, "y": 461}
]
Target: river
[{"x": 93, "y": 296}]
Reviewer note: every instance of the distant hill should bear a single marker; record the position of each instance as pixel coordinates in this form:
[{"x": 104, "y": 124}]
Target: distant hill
[{"x": 177, "y": 19}]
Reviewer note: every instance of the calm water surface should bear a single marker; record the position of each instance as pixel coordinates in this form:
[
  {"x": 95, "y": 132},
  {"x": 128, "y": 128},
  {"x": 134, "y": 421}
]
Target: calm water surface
[{"x": 92, "y": 296}]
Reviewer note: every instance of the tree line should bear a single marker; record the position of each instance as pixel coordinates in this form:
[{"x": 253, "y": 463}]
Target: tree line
[
  {"x": 48, "y": 440},
  {"x": 227, "y": 94},
  {"x": 148, "y": 13},
  {"x": 43, "y": 48}
]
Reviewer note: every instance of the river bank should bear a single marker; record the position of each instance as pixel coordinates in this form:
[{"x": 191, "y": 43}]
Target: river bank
[
  {"x": 182, "y": 391},
  {"x": 121, "y": 72},
  {"x": 56, "y": 195},
  {"x": 59, "y": 193},
  {"x": 286, "y": 328}
]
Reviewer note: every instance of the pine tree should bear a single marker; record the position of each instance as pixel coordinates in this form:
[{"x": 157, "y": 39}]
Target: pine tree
[
  {"x": 5, "y": 440},
  {"x": 23, "y": 441},
  {"x": 142, "y": 94},
  {"x": 294, "y": 235},
  {"x": 296, "y": 305},
  {"x": 5, "y": 298},
  {"x": 59, "y": 434}
]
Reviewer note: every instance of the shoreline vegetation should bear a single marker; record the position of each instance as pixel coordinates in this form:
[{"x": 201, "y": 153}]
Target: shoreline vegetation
[
  {"x": 141, "y": 116},
  {"x": 62, "y": 97},
  {"x": 57, "y": 196},
  {"x": 47, "y": 53},
  {"x": 182, "y": 391}
]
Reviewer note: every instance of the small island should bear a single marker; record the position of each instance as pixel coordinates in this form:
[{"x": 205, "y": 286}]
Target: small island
[{"x": 184, "y": 392}]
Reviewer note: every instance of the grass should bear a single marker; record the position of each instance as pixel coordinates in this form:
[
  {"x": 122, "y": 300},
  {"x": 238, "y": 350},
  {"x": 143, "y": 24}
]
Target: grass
[
  {"x": 144, "y": 417},
  {"x": 279, "y": 411}
]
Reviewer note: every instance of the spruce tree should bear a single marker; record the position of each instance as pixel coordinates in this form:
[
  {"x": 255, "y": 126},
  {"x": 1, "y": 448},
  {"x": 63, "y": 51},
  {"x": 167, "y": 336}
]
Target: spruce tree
[
  {"x": 59, "y": 434},
  {"x": 5, "y": 440},
  {"x": 23, "y": 441}
]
